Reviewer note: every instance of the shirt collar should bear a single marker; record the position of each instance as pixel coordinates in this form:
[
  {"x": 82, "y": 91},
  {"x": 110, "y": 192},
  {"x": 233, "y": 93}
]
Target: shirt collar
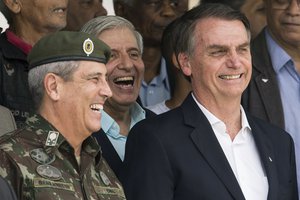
[
  {"x": 278, "y": 56},
  {"x": 108, "y": 123},
  {"x": 213, "y": 120},
  {"x": 18, "y": 42},
  {"x": 43, "y": 129}
]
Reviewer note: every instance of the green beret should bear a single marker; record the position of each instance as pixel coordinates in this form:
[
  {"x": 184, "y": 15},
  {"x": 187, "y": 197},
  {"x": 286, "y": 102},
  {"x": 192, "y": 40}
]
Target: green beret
[{"x": 68, "y": 46}]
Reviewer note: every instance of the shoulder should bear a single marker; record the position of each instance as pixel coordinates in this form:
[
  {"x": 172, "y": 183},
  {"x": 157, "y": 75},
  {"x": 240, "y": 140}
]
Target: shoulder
[
  {"x": 272, "y": 132},
  {"x": 158, "y": 125},
  {"x": 15, "y": 140}
]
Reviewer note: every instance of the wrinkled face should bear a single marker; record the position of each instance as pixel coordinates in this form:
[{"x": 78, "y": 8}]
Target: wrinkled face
[
  {"x": 283, "y": 18},
  {"x": 83, "y": 97},
  {"x": 125, "y": 68},
  {"x": 255, "y": 12},
  {"x": 44, "y": 15},
  {"x": 150, "y": 17},
  {"x": 220, "y": 66},
  {"x": 81, "y": 11}
]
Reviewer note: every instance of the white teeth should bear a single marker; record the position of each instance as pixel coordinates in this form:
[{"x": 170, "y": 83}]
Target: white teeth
[
  {"x": 128, "y": 78},
  {"x": 60, "y": 10},
  {"x": 230, "y": 77},
  {"x": 96, "y": 107}
]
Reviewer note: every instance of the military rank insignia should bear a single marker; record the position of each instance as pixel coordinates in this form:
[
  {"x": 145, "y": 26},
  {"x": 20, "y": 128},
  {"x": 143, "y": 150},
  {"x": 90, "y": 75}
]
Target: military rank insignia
[
  {"x": 41, "y": 157},
  {"x": 105, "y": 179},
  {"x": 52, "y": 138}
]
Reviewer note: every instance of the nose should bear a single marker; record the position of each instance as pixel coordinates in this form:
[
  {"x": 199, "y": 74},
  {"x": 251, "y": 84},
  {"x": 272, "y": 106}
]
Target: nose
[
  {"x": 294, "y": 7},
  {"x": 101, "y": 11},
  {"x": 105, "y": 90},
  {"x": 125, "y": 62},
  {"x": 233, "y": 60},
  {"x": 167, "y": 10}
]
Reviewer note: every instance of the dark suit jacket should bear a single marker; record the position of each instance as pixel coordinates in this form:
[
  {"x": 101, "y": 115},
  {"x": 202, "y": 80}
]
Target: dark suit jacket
[
  {"x": 108, "y": 151},
  {"x": 176, "y": 156},
  {"x": 262, "y": 97},
  {"x": 6, "y": 191}
]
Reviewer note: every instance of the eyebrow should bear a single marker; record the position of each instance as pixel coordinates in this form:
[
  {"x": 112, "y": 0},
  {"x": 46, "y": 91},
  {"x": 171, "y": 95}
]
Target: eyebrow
[
  {"x": 128, "y": 49},
  {"x": 94, "y": 74}
]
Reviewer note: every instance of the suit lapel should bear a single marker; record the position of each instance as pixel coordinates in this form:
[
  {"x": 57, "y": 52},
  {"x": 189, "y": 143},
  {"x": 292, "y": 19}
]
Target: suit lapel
[
  {"x": 209, "y": 147},
  {"x": 266, "y": 81},
  {"x": 265, "y": 150}
]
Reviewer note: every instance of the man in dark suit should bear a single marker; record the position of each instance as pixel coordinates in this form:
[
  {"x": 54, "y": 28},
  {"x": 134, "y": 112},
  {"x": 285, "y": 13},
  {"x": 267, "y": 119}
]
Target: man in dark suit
[
  {"x": 209, "y": 148},
  {"x": 274, "y": 91},
  {"x": 125, "y": 72}
]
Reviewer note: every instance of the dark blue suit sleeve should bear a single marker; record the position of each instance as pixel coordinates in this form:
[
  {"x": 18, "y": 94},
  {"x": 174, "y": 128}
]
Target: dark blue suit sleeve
[
  {"x": 6, "y": 192},
  {"x": 147, "y": 172}
]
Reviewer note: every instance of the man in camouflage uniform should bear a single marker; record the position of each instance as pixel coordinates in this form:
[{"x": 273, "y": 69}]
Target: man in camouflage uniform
[{"x": 54, "y": 155}]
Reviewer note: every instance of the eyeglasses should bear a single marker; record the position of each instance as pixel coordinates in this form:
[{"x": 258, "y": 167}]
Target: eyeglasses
[{"x": 283, "y": 4}]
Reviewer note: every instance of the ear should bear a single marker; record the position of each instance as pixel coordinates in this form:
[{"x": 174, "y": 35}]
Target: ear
[
  {"x": 13, "y": 5},
  {"x": 184, "y": 64},
  {"x": 52, "y": 84}
]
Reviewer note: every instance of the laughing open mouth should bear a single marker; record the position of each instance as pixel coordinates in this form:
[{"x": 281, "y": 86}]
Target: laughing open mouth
[
  {"x": 96, "y": 107},
  {"x": 124, "y": 81}
]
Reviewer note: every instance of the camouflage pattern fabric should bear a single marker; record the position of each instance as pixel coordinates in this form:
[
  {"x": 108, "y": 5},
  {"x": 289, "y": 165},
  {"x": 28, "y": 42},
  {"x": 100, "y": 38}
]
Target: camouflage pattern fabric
[{"x": 40, "y": 164}]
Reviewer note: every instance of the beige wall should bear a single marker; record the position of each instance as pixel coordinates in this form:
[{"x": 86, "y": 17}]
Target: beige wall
[{"x": 193, "y": 3}]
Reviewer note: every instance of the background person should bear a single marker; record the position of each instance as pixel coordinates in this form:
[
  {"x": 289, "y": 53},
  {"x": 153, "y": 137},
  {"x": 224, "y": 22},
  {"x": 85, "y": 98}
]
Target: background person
[
  {"x": 81, "y": 11},
  {"x": 28, "y": 20},
  {"x": 125, "y": 71},
  {"x": 181, "y": 84},
  {"x": 274, "y": 91},
  {"x": 150, "y": 18}
]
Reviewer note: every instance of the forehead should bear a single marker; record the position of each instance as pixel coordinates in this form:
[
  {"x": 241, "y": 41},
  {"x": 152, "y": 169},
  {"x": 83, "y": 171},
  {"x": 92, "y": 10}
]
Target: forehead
[
  {"x": 220, "y": 31},
  {"x": 119, "y": 37},
  {"x": 87, "y": 67}
]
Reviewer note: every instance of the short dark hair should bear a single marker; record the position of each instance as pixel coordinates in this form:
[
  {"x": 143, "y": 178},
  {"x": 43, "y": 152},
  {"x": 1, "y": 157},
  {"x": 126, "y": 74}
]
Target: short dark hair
[
  {"x": 168, "y": 42},
  {"x": 186, "y": 40}
]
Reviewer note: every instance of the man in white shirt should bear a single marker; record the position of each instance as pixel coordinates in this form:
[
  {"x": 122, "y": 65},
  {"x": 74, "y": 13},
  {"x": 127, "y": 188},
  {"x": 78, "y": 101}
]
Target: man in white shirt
[{"x": 209, "y": 148}]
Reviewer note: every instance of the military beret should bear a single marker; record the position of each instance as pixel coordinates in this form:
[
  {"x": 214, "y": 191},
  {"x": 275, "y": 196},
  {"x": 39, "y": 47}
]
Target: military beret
[{"x": 68, "y": 46}]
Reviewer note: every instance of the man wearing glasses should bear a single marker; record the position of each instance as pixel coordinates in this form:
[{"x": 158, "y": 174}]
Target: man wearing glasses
[{"x": 274, "y": 92}]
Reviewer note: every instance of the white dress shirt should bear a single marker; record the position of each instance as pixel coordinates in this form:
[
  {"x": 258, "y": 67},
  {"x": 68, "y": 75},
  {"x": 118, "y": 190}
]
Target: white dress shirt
[{"x": 242, "y": 155}]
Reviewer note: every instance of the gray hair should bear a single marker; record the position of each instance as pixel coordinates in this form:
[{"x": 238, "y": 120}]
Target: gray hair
[
  {"x": 186, "y": 39},
  {"x": 64, "y": 69},
  {"x": 6, "y": 12},
  {"x": 102, "y": 23}
]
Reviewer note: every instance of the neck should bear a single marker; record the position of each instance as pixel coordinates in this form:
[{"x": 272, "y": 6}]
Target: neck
[
  {"x": 72, "y": 134},
  {"x": 152, "y": 59},
  {"x": 228, "y": 111},
  {"x": 122, "y": 116},
  {"x": 181, "y": 89}
]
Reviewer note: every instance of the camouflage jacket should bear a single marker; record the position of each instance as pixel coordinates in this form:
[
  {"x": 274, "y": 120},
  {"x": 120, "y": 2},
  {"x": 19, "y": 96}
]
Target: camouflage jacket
[{"x": 40, "y": 164}]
